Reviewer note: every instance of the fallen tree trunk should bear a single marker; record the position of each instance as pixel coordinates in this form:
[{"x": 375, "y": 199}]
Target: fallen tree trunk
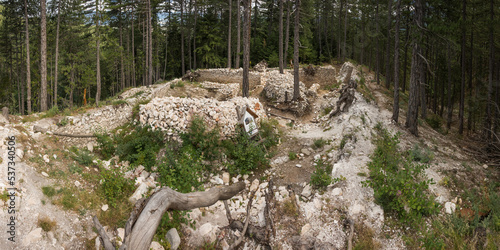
[{"x": 146, "y": 216}]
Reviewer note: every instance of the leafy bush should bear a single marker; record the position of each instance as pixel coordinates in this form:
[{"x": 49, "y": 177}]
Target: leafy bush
[
  {"x": 434, "y": 121},
  {"x": 206, "y": 143},
  {"x": 319, "y": 143},
  {"x": 421, "y": 155},
  {"x": 321, "y": 176},
  {"x": 140, "y": 146},
  {"x": 292, "y": 156},
  {"x": 247, "y": 155},
  {"x": 106, "y": 145},
  {"x": 114, "y": 186},
  {"x": 269, "y": 132},
  {"x": 181, "y": 170},
  {"x": 48, "y": 191},
  {"x": 51, "y": 112},
  {"x": 83, "y": 156},
  {"x": 46, "y": 224},
  {"x": 400, "y": 185}
]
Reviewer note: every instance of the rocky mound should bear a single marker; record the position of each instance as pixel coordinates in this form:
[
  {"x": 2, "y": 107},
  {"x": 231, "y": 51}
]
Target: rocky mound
[{"x": 173, "y": 114}]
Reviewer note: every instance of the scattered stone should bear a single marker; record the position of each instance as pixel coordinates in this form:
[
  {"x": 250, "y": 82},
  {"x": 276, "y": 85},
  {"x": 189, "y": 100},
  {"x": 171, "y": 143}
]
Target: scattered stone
[
  {"x": 20, "y": 153},
  {"x": 225, "y": 177},
  {"x": 317, "y": 157},
  {"x": 32, "y": 237},
  {"x": 45, "y": 174},
  {"x": 307, "y": 191},
  {"x": 357, "y": 209},
  {"x": 173, "y": 238},
  {"x": 305, "y": 230},
  {"x": 337, "y": 191},
  {"x": 255, "y": 185},
  {"x": 217, "y": 180},
  {"x": 46, "y": 158},
  {"x": 156, "y": 246},
  {"x": 121, "y": 233},
  {"x": 105, "y": 207},
  {"x": 90, "y": 146},
  {"x": 305, "y": 151},
  {"x": 78, "y": 184},
  {"x": 485, "y": 166},
  {"x": 139, "y": 192},
  {"x": 450, "y": 207},
  {"x": 298, "y": 165}
]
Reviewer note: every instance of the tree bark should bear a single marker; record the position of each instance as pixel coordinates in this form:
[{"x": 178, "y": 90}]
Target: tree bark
[
  {"x": 183, "y": 69},
  {"x": 487, "y": 123},
  {"x": 287, "y": 33},
  {"x": 229, "y": 35},
  {"x": 146, "y": 216},
  {"x": 57, "y": 51},
  {"x": 388, "y": 50},
  {"x": 150, "y": 46},
  {"x": 28, "y": 63},
  {"x": 377, "y": 55},
  {"x": 238, "y": 34},
  {"x": 281, "y": 37},
  {"x": 416, "y": 72},
  {"x": 450, "y": 90},
  {"x": 395, "y": 111},
  {"x": 122, "y": 65},
  {"x": 340, "y": 30},
  {"x": 98, "y": 66},
  {"x": 43, "y": 57},
  {"x": 246, "y": 47},
  {"x": 462, "y": 85},
  {"x": 296, "y": 90}
]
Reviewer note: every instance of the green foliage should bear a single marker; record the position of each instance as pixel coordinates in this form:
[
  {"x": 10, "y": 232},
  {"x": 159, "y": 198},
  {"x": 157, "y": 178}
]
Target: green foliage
[
  {"x": 181, "y": 169},
  {"x": 46, "y": 224},
  {"x": 136, "y": 108},
  {"x": 205, "y": 142},
  {"x": 51, "y": 112},
  {"x": 292, "y": 156},
  {"x": 419, "y": 154},
  {"x": 333, "y": 86},
  {"x": 114, "y": 186},
  {"x": 344, "y": 140},
  {"x": 139, "y": 147},
  {"x": 75, "y": 169},
  {"x": 400, "y": 185},
  {"x": 63, "y": 122},
  {"x": 321, "y": 176},
  {"x": 435, "y": 121},
  {"x": 319, "y": 143},
  {"x": 83, "y": 156},
  {"x": 118, "y": 102},
  {"x": 269, "y": 132},
  {"x": 179, "y": 84},
  {"x": 68, "y": 200},
  {"x": 106, "y": 145},
  {"x": 245, "y": 153},
  {"x": 48, "y": 191}
]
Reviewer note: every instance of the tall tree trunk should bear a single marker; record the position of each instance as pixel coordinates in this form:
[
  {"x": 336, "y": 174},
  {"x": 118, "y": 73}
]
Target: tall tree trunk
[
  {"x": 43, "y": 56},
  {"x": 122, "y": 65},
  {"x": 405, "y": 68},
  {"x": 281, "y": 37},
  {"x": 469, "y": 102},
  {"x": 56, "y": 73},
  {"x": 344, "y": 52},
  {"x": 238, "y": 35},
  {"x": 462, "y": 85},
  {"x": 133, "y": 52},
  {"x": 194, "y": 33},
  {"x": 388, "y": 50},
  {"x": 246, "y": 47},
  {"x": 339, "y": 56},
  {"x": 98, "y": 60},
  {"x": 229, "y": 35},
  {"x": 416, "y": 72},
  {"x": 28, "y": 63},
  {"x": 395, "y": 111},
  {"x": 183, "y": 69},
  {"x": 150, "y": 46},
  {"x": 287, "y": 33},
  {"x": 450, "y": 90},
  {"x": 296, "y": 89},
  {"x": 489, "y": 104},
  {"x": 377, "y": 55}
]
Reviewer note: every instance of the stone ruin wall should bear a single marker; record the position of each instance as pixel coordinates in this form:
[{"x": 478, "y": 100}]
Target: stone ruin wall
[{"x": 228, "y": 76}]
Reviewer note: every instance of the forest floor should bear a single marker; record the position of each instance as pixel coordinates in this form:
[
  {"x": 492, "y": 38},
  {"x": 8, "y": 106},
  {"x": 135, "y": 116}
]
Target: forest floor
[{"x": 54, "y": 190}]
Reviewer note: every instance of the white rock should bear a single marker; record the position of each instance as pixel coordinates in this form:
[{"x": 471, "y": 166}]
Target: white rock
[
  {"x": 225, "y": 177},
  {"x": 330, "y": 155},
  {"x": 217, "y": 180},
  {"x": 205, "y": 229},
  {"x": 46, "y": 158},
  {"x": 45, "y": 174},
  {"x": 156, "y": 246},
  {"x": 485, "y": 166},
  {"x": 55, "y": 157},
  {"x": 357, "y": 209},
  {"x": 78, "y": 184},
  {"x": 255, "y": 185},
  {"x": 139, "y": 192},
  {"x": 305, "y": 230},
  {"x": 317, "y": 157},
  {"x": 121, "y": 233},
  {"x": 20, "y": 153},
  {"x": 307, "y": 191},
  {"x": 173, "y": 238},
  {"x": 32, "y": 237},
  {"x": 298, "y": 165},
  {"x": 337, "y": 191},
  {"x": 105, "y": 207},
  {"x": 450, "y": 207}
]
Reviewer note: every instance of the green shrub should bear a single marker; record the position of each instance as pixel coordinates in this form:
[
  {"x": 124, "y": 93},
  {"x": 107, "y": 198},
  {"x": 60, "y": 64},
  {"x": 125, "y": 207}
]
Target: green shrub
[
  {"x": 68, "y": 200},
  {"x": 140, "y": 146},
  {"x": 400, "y": 185},
  {"x": 321, "y": 176},
  {"x": 63, "y": 122},
  {"x": 269, "y": 132},
  {"x": 434, "y": 121},
  {"x": 421, "y": 155},
  {"x": 48, "y": 191},
  {"x": 118, "y": 102},
  {"x": 114, "y": 186},
  {"x": 246, "y": 154},
  {"x": 75, "y": 169},
  {"x": 319, "y": 143},
  {"x": 181, "y": 169},
  {"x": 51, "y": 112},
  {"x": 206, "y": 143},
  {"x": 136, "y": 108},
  {"x": 343, "y": 142},
  {"x": 84, "y": 157},
  {"x": 106, "y": 145},
  {"x": 292, "y": 156}
]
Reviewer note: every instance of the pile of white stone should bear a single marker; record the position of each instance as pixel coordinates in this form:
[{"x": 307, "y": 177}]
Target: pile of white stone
[
  {"x": 279, "y": 85},
  {"x": 174, "y": 114},
  {"x": 228, "y": 90}
]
